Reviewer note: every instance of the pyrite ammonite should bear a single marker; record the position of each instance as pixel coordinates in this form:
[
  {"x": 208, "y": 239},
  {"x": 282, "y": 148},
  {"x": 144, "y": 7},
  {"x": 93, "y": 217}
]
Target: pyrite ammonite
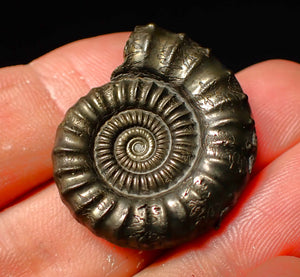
[{"x": 161, "y": 153}]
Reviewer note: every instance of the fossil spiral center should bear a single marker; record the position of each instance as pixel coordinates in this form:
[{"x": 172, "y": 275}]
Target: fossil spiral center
[
  {"x": 133, "y": 142},
  {"x": 140, "y": 150},
  {"x": 137, "y": 147},
  {"x": 147, "y": 149},
  {"x": 138, "y": 143}
]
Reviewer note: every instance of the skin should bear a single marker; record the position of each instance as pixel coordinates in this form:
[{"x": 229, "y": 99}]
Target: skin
[{"x": 38, "y": 235}]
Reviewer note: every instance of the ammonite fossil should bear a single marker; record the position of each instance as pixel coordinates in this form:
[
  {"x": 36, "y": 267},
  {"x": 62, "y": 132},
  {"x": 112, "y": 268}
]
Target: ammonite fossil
[{"x": 161, "y": 153}]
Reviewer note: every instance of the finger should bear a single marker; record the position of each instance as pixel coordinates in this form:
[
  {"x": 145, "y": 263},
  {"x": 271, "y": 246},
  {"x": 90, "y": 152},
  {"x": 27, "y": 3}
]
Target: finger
[
  {"x": 33, "y": 100},
  {"x": 277, "y": 267},
  {"x": 267, "y": 225},
  {"x": 39, "y": 237},
  {"x": 273, "y": 90}
]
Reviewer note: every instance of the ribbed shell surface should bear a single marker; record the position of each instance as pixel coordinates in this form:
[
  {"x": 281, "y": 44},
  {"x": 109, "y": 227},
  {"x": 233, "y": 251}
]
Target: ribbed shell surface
[{"x": 161, "y": 153}]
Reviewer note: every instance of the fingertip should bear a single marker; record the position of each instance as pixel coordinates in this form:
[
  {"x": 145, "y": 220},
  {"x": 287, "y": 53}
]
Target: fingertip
[
  {"x": 70, "y": 71},
  {"x": 286, "y": 266},
  {"x": 273, "y": 90}
]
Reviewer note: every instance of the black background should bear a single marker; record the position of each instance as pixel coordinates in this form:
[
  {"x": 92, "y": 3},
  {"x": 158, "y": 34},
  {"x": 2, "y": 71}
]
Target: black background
[{"x": 240, "y": 33}]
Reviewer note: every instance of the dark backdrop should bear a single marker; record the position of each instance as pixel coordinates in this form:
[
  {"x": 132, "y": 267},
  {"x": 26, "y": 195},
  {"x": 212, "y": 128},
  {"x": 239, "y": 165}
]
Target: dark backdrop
[{"x": 239, "y": 32}]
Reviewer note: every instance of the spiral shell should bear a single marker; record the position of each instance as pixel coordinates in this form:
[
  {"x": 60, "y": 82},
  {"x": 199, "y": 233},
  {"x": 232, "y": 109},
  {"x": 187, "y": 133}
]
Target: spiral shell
[{"x": 161, "y": 153}]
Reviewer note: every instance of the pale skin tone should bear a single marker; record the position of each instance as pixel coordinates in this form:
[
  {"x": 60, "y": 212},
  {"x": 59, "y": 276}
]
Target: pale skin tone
[{"x": 39, "y": 237}]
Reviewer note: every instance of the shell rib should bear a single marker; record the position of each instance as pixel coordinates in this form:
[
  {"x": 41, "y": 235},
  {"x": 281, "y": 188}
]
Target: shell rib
[{"x": 161, "y": 153}]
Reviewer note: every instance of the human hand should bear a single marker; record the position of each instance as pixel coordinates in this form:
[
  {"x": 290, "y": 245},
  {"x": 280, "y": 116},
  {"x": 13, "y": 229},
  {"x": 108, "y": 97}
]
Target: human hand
[{"x": 39, "y": 237}]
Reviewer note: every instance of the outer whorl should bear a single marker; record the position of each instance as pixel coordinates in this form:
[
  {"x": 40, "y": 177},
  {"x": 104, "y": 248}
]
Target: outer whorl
[{"x": 161, "y": 153}]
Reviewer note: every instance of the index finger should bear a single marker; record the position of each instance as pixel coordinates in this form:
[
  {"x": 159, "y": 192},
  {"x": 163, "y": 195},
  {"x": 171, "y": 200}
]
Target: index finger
[{"x": 33, "y": 100}]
